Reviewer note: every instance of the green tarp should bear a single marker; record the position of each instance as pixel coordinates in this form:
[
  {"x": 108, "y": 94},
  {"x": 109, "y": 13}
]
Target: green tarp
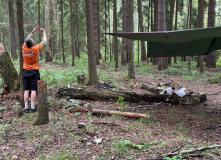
[{"x": 178, "y": 43}]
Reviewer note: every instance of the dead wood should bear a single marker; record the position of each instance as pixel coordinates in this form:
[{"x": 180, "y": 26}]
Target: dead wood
[
  {"x": 109, "y": 95},
  {"x": 107, "y": 112},
  {"x": 103, "y": 59},
  {"x": 82, "y": 79},
  {"x": 43, "y": 117},
  {"x": 186, "y": 153}
]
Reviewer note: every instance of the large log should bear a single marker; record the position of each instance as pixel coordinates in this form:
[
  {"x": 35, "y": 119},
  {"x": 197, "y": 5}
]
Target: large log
[{"x": 109, "y": 95}]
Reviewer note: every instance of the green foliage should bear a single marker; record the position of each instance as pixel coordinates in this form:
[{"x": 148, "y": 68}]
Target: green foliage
[{"x": 122, "y": 146}]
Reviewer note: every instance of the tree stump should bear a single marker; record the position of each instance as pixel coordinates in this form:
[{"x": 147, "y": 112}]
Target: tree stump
[
  {"x": 82, "y": 79},
  {"x": 8, "y": 72},
  {"x": 43, "y": 117}
]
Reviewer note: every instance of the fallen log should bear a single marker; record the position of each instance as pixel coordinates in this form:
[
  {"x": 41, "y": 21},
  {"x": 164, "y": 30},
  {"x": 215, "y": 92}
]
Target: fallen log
[
  {"x": 108, "y": 113},
  {"x": 183, "y": 153},
  {"x": 157, "y": 90},
  {"x": 109, "y": 95}
]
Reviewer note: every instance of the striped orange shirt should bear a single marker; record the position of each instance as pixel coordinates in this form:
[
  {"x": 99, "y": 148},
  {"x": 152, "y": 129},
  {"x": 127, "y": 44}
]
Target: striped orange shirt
[{"x": 30, "y": 57}]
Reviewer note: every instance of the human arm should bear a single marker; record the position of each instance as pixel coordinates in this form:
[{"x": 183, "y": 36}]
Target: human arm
[
  {"x": 44, "y": 40},
  {"x": 32, "y": 33}
]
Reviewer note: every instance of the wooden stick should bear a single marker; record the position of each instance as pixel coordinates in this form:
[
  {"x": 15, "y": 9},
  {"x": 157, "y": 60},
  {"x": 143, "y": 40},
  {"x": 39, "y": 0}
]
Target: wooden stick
[
  {"x": 107, "y": 112},
  {"x": 177, "y": 83},
  {"x": 103, "y": 59}
]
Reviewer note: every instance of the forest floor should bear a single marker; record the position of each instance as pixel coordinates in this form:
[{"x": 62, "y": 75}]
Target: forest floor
[{"x": 169, "y": 127}]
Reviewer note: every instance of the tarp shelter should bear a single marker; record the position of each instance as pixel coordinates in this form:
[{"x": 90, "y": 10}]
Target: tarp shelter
[{"x": 189, "y": 42}]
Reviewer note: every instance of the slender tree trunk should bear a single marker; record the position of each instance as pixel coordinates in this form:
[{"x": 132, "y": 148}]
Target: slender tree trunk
[
  {"x": 162, "y": 64},
  {"x": 210, "y": 58},
  {"x": 188, "y": 27},
  {"x": 76, "y": 25},
  {"x": 62, "y": 31},
  {"x": 152, "y": 24},
  {"x": 12, "y": 29},
  {"x": 91, "y": 41},
  {"x": 123, "y": 46},
  {"x": 105, "y": 28},
  {"x": 21, "y": 41},
  {"x": 155, "y": 60},
  {"x": 130, "y": 44},
  {"x": 56, "y": 22},
  {"x": 48, "y": 32},
  {"x": 172, "y": 3},
  {"x": 72, "y": 32},
  {"x": 200, "y": 25},
  {"x": 115, "y": 38},
  {"x": 109, "y": 30},
  {"x": 39, "y": 23},
  {"x": 176, "y": 17},
  {"x": 140, "y": 14}
]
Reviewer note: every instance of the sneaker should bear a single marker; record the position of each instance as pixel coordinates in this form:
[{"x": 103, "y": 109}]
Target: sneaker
[
  {"x": 26, "y": 110},
  {"x": 32, "y": 110}
]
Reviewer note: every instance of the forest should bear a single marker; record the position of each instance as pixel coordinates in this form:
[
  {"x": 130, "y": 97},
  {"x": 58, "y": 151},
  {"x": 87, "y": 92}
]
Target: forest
[{"x": 101, "y": 96}]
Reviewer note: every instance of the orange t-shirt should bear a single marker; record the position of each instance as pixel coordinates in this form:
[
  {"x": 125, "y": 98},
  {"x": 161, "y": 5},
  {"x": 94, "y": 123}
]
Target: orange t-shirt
[{"x": 30, "y": 57}]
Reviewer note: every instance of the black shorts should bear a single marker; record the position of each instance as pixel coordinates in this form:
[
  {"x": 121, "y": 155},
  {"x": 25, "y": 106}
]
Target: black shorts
[{"x": 30, "y": 79}]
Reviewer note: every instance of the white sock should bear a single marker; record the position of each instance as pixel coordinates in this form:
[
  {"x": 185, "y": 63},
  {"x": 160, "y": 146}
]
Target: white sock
[
  {"x": 26, "y": 105},
  {"x": 32, "y": 105}
]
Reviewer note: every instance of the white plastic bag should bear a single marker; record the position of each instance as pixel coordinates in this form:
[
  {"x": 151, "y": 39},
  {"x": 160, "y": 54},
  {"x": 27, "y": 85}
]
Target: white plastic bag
[
  {"x": 168, "y": 91},
  {"x": 181, "y": 92}
]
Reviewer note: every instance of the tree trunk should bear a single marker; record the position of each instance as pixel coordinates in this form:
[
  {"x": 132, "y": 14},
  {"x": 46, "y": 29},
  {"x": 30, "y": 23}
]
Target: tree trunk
[
  {"x": 110, "y": 54},
  {"x": 21, "y": 41},
  {"x": 48, "y": 32},
  {"x": 91, "y": 42},
  {"x": 200, "y": 25},
  {"x": 62, "y": 31},
  {"x": 130, "y": 44},
  {"x": 108, "y": 95},
  {"x": 176, "y": 18},
  {"x": 162, "y": 64},
  {"x": 72, "y": 32},
  {"x": 140, "y": 14},
  {"x": 12, "y": 29},
  {"x": 56, "y": 22},
  {"x": 8, "y": 73},
  {"x": 115, "y": 38},
  {"x": 76, "y": 26},
  {"x": 210, "y": 58},
  {"x": 172, "y": 3},
  {"x": 105, "y": 28},
  {"x": 155, "y": 59},
  {"x": 43, "y": 117},
  {"x": 123, "y": 46},
  {"x": 39, "y": 24}
]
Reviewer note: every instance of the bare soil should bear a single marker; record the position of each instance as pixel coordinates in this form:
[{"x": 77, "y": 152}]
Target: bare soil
[{"x": 169, "y": 128}]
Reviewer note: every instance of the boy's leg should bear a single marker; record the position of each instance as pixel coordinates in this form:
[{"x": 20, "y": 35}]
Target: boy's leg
[
  {"x": 26, "y": 97},
  {"x": 33, "y": 99}
]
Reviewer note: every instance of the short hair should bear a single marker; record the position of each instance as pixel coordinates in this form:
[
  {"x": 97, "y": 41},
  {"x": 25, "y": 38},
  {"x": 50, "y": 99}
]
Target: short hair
[{"x": 29, "y": 42}]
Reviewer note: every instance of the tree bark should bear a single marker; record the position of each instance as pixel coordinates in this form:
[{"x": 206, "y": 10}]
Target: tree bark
[
  {"x": 72, "y": 33},
  {"x": 130, "y": 44},
  {"x": 91, "y": 42},
  {"x": 48, "y": 32},
  {"x": 115, "y": 38},
  {"x": 39, "y": 24},
  {"x": 98, "y": 94},
  {"x": 210, "y": 58},
  {"x": 43, "y": 117},
  {"x": 62, "y": 31},
  {"x": 200, "y": 25},
  {"x": 155, "y": 59},
  {"x": 21, "y": 41},
  {"x": 162, "y": 64},
  {"x": 123, "y": 45},
  {"x": 12, "y": 29},
  {"x": 8, "y": 73},
  {"x": 140, "y": 14},
  {"x": 76, "y": 26}
]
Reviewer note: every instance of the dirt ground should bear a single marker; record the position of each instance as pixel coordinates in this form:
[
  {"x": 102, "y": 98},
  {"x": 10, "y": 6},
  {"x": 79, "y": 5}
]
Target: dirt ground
[{"x": 170, "y": 127}]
